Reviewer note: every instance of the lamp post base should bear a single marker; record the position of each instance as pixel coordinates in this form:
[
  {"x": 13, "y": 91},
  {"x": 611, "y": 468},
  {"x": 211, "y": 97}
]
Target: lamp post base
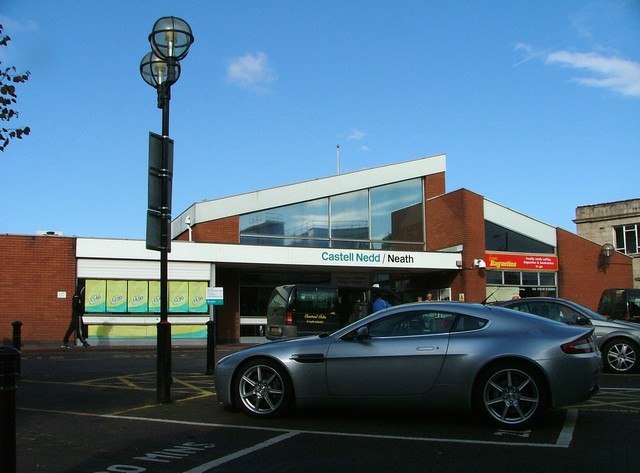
[{"x": 164, "y": 362}]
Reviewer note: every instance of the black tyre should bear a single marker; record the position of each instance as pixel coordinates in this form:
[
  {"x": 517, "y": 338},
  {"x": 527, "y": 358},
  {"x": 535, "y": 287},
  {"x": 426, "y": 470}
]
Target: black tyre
[
  {"x": 263, "y": 388},
  {"x": 620, "y": 356},
  {"x": 511, "y": 394}
]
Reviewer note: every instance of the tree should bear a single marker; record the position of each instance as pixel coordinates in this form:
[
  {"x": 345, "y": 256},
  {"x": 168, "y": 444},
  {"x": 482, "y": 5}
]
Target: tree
[{"x": 8, "y": 99}]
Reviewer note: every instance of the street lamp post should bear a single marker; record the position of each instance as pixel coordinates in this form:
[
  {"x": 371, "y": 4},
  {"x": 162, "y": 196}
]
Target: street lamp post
[{"x": 170, "y": 41}]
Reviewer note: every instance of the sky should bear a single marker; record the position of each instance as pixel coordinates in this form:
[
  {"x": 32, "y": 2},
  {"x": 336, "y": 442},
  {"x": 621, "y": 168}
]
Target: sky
[{"x": 535, "y": 104}]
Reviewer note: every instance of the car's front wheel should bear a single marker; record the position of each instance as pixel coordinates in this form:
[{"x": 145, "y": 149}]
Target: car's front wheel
[
  {"x": 511, "y": 394},
  {"x": 620, "y": 356},
  {"x": 263, "y": 388}
]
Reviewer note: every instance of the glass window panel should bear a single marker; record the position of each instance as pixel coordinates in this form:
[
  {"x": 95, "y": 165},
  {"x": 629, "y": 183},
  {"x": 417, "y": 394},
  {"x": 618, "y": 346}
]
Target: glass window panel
[
  {"x": 620, "y": 238},
  {"x": 494, "y": 277},
  {"x": 397, "y": 246},
  {"x": 350, "y": 216},
  {"x": 350, "y": 245},
  {"x": 396, "y": 211},
  {"x": 631, "y": 241},
  {"x": 498, "y": 238},
  {"x": 529, "y": 279},
  {"x": 512, "y": 277},
  {"x": 547, "y": 279},
  {"x": 306, "y": 219}
]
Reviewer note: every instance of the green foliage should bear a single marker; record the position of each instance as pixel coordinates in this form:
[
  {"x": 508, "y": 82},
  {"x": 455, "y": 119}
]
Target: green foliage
[{"x": 8, "y": 98}]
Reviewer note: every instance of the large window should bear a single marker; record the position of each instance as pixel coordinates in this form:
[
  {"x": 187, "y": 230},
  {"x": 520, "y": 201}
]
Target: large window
[
  {"x": 389, "y": 217},
  {"x": 498, "y": 238},
  {"x": 627, "y": 239},
  {"x": 396, "y": 212}
]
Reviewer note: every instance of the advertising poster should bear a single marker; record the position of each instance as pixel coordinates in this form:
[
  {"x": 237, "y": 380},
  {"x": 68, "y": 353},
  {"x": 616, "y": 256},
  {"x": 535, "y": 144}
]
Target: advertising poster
[
  {"x": 116, "y": 296},
  {"x": 138, "y": 296},
  {"x": 95, "y": 295},
  {"x": 154, "y": 296},
  {"x": 178, "y": 296},
  {"x": 198, "y": 297},
  {"x": 516, "y": 262}
]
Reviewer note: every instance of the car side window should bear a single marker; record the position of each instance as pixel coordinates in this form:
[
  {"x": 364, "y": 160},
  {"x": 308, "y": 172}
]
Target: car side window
[
  {"x": 521, "y": 307},
  {"x": 546, "y": 310},
  {"x": 568, "y": 314},
  {"x": 411, "y": 323},
  {"x": 466, "y": 323}
]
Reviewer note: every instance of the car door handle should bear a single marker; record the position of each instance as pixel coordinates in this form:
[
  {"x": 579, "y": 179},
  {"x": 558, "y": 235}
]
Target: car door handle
[{"x": 425, "y": 348}]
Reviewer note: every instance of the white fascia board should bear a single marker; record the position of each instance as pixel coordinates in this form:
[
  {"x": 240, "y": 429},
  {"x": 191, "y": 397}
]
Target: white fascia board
[
  {"x": 308, "y": 190},
  {"x": 512, "y": 220},
  {"x": 142, "y": 320},
  {"x": 212, "y": 253}
]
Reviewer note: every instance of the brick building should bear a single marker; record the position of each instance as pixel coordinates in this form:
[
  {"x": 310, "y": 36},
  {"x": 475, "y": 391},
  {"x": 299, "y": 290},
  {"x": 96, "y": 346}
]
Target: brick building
[{"x": 395, "y": 226}]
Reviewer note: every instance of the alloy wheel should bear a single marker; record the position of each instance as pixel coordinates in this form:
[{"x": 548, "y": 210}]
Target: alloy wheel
[
  {"x": 261, "y": 389},
  {"x": 511, "y": 396},
  {"x": 621, "y": 357}
]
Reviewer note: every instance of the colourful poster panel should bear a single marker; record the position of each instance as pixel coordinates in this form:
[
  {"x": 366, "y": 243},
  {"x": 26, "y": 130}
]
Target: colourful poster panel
[
  {"x": 154, "y": 296},
  {"x": 516, "y": 262},
  {"x": 198, "y": 297},
  {"x": 116, "y": 296},
  {"x": 138, "y": 296},
  {"x": 95, "y": 295},
  {"x": 178, "y": 296}
]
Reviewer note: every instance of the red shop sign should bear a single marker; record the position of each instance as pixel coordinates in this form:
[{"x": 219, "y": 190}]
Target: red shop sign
[{"x": 517, "y": 262}]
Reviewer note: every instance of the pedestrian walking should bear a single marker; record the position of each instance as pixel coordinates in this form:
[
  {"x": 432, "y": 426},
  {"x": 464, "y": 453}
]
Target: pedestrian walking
[{"x": 77, "y": 311}]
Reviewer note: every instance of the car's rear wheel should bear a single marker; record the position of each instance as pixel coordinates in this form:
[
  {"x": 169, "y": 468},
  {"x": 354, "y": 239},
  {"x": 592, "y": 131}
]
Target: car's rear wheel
[
  {"x": 620, "y": 356},
  {"x": 511, "y": 394},
  {"x": 263, "y": 388}
]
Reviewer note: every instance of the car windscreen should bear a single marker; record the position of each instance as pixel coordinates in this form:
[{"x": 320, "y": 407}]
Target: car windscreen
[
  {"x": 633, "y": 296},
  {"x": 278, "y": 300}
]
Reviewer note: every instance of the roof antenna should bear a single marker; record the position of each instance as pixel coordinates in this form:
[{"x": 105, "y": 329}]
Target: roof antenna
[{"x": 338, "y": 156}]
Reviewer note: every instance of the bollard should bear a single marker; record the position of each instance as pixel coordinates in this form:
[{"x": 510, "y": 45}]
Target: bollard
[
  {"x": 9, "y": 358},
  {"x": 211, "y": 346},
  {"x": 17, "y": 335},
  {"x": 17, "y": 340}
]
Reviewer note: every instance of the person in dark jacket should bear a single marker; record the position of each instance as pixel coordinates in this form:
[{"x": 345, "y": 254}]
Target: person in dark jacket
[{"x": 77, "y": 311}]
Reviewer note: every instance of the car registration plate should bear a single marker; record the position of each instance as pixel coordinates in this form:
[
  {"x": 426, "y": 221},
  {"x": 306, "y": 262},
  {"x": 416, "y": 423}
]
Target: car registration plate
[{"x": 277, "y": 331}]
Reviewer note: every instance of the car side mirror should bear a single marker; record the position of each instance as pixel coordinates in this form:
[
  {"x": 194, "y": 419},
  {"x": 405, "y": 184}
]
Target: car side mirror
[
  {"x": 363, "y": 333},
  {"x": 582, "y": 320}
]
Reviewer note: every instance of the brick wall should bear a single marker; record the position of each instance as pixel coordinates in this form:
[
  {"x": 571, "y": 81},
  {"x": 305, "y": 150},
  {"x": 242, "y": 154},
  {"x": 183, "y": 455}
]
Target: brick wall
[
  {"x": 34, "y": 270},
  {"x": 434, "y": 185},
  {"x": 581, "y": 276},
  {"x": 454, "y": 219},
  {"x": 224, "y": 230}
]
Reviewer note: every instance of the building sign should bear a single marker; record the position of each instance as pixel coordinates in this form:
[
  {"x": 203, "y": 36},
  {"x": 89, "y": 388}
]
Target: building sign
[
  {"x": 215, "y": 295},
  {"x": 520, "y": 262}
]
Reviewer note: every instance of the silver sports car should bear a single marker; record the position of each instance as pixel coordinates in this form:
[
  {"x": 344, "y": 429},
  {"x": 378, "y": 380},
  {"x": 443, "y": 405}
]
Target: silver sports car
[{"x": 506, "y": 365}]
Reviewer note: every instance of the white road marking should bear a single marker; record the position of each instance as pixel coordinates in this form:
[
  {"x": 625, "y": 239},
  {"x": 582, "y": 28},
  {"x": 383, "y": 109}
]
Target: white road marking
[
  {"x": 245, "y": 451},
  {"x": 566, "y": 434},
  {"x": 346, "y": 434}
]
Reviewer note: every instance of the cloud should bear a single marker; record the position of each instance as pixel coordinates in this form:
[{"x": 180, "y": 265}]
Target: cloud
[
  {"x": 607, "y": 72},
  {"x": 251, "y": 71},
  {"x": 356, "y": 135}
]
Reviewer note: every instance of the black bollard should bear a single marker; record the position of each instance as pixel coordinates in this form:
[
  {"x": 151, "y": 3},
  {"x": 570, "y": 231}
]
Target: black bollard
[
  {"x": 9, "y": 358},
  {"x": 17, "y": 340},
  {"x": 211, "y": 345},
  {"x": 17, "y": 335}
]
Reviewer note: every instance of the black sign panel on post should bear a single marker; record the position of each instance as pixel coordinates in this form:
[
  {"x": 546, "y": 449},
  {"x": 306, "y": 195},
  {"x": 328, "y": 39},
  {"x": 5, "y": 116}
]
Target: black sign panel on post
[{"x": 160, "y": 183}]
